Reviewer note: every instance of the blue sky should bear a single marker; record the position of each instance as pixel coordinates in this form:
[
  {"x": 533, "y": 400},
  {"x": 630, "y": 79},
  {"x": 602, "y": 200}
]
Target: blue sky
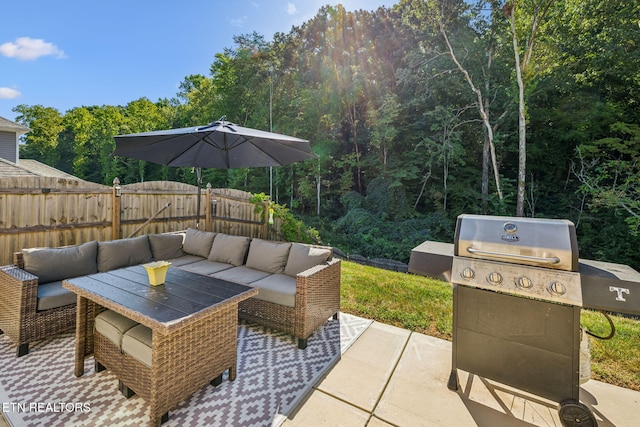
[{"x": 70, "y": 53}]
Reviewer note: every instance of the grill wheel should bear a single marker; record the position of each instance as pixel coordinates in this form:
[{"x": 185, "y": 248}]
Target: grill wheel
[{"x": 575, "y": 414}]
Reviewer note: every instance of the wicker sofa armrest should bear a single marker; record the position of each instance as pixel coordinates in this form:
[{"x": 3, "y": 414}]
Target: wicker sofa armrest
[
  {"x": 317, "y": 296},
  {"x": 325, "y": 269},
  {"x": 18, "y": 297}
]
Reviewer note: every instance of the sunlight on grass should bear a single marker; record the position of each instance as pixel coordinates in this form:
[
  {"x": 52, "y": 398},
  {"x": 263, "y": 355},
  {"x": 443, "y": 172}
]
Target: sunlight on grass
[
  {"x": 615, "y": 361},
  {"x": 408, "y": 301}
]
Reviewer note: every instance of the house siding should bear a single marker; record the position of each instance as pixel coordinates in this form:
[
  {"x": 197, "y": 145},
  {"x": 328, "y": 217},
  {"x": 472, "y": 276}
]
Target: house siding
[{"x": 9, "y": 146}]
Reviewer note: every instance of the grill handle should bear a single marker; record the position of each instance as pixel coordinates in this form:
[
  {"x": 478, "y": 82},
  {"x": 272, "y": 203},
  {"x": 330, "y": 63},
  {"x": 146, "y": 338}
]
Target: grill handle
[{"x": 542, "y": 260}]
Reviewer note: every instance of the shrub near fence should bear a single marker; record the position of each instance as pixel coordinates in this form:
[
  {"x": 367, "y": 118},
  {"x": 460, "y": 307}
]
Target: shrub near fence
[{"x": 53, "y": 212}]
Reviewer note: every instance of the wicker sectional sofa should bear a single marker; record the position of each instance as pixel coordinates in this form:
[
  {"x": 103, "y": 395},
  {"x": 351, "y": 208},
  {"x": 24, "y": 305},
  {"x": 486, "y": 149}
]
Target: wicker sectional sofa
[{"x": 299, "y": 284}]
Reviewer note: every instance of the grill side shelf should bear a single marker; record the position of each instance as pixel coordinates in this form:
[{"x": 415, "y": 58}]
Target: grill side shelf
[{"x": 610, "y": 287}]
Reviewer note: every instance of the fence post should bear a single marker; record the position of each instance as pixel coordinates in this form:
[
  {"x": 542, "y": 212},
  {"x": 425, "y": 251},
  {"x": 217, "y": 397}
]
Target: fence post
[
  {"x": 115, "y": 205},
  {"x": 208, "y": 209}
]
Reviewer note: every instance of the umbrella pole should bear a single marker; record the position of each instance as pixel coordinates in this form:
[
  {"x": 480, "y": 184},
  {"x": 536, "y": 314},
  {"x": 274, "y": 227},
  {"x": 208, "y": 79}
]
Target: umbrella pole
[{"x": 199, "y": 179}]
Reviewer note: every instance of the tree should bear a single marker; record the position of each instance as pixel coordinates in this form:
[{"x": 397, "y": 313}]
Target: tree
[
  {"x": 480, "y": 105},
  {"x": 383, "y": 123},
  {"x": 537, "y": 11},
  {"x": 42, "y": 142},
  {"x": 446, "y": 147},
  {"x": 80, "y": 125},
  {"x": 609, "y": 170}
]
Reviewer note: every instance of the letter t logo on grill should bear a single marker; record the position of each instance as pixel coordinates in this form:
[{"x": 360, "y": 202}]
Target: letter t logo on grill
[{"x": 620, "y": 291}]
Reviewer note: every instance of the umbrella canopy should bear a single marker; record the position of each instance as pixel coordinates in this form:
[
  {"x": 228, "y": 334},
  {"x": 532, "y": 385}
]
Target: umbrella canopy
[{"x": 220, "y": 145}]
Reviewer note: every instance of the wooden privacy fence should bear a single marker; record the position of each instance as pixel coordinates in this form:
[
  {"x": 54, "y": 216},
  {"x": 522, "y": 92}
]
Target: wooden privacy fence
[{"x": 53, "y": 212}]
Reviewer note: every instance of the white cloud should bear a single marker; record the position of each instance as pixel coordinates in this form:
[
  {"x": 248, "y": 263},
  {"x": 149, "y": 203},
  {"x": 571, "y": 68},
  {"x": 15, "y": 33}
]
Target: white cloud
[
  {"x": 28, "y": 49},
  {"x": 8, "y": 93},
  {"x": 291, "y": 9},
  {"x": 238, "y": 22}
]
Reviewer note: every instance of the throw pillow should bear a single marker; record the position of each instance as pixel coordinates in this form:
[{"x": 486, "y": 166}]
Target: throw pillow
[
  {"x": 166, "y": 246},
  {"x": 303, "y": 257},
  {"x": 198, "y": 242},
  {"x": 123, "y": 253},
  {"x": 268, "y": 256},
  {"x": 229, "y": 249}
]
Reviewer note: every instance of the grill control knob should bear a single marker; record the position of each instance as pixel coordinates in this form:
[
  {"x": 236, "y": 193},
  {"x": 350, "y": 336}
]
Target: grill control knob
[
  {"x": 494, "y": 278},
  {"x": 557, "y": 288},
  {"x": 467, "y": 273},
  {"x": 524, "y": 283}
]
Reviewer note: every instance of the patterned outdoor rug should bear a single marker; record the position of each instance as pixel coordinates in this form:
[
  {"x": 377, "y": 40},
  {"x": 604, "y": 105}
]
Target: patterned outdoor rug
[{"x": 40, "y": 389}]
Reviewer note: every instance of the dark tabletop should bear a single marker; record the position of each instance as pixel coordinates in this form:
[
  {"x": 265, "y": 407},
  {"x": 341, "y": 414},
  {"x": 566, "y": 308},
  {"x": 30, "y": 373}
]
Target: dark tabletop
[{"x": 184, "y": 295}]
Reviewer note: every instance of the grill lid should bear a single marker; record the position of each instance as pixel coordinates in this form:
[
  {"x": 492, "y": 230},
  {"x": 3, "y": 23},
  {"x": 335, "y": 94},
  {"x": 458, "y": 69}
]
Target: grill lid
[{"x": 547, "y": 243}]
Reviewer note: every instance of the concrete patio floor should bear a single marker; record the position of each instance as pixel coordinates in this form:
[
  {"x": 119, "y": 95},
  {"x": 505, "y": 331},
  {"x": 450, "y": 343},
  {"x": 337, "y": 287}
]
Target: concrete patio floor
[{"x": 393, "y": 377}]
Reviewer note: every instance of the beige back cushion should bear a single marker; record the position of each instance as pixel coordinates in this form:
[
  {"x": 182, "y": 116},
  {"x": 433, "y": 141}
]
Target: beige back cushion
[
  {"x": 54, "y": 264},
  {"x": 166, "y": 246},
  {"x": 303, "y": 257},
  {"x": 123, "y": 253},
  {"x": 198, "y": 242},
  {"x": 268, "y": 256},
  {"x": 229, "y": 249}
]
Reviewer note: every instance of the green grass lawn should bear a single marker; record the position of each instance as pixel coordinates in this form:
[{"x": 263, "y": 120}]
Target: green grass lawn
[{"x": 424, "y": 305}]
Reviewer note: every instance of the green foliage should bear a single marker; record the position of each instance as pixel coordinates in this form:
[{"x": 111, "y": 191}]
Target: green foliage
[
  {"x": 291, "y": 229},
  {"x": 365, "y": 233},
  {"x": 41, "y": 143},
  {"x": 604, "y": 235},
  {"x": 352, "y": 200},
  {"x": 610, "y": 172},
  {"x": 396, "y": 127},
  {"x": 387, "y": 199}
]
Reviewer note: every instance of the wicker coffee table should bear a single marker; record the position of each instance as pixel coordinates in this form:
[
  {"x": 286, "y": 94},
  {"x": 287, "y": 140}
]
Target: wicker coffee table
[{"x": 194, "y": 323}]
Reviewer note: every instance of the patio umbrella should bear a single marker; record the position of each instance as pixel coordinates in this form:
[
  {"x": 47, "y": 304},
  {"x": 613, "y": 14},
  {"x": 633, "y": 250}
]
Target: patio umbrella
[{"x": 220, "y": 145}]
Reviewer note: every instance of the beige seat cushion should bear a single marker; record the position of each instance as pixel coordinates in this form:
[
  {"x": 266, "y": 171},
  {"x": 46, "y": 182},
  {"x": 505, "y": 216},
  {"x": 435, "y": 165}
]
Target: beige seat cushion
[
  {"x": 53, "y": 295},
  {"x": 242, "y": 275},
  {"x": 55, "y": 264},
  {"x": 229, "y": 249},
  {"x": 198, "y": 242},
  {"x": 206, "y": 267},
  {"x": 136, "y": 342},
  {"x": 166, "y": 246},
  {"x": 184, "y": 260},
  {"x": 303, "y": 257},
  {"x": 113, "y": 325},
  {"x": 123, "y": 253},
  {"x": 268, "y": 256},
  {"x": 277, "y": 288}
]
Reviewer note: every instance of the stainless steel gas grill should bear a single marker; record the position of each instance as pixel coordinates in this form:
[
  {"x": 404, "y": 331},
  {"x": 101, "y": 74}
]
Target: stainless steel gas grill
[
  {"x": 518, "y": 288},
  {"x": 516, "y": 307}
]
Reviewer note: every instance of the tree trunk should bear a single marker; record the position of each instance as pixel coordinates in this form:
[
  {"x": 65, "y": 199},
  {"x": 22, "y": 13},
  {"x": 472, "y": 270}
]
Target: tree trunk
[
  {"x": 486, "y": 142},
  {"x": 481, "y": 110},
  {"x": 485, "y": 168},
  {"x": 424, "y": 184},
  {"x": 539, "y": 12},
  {"x": 522, "y": 124},
  {"x": 354, "y": 124},
  {"x": 445, "y": 169},
  {"x": 318, "y": 189}
]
